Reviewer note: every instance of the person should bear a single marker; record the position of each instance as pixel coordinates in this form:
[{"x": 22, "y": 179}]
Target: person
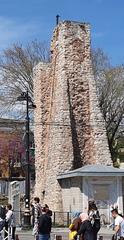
[
  {"x": 75, "y": 225},
  {"x": 44, "y": 225},
  {"x": 2, "y": 224},
  {"x": 119, "y": 211},
  {"x": 86, "y": 229},
  {"x": 92, "y": 210},
  {"x": 118, "y": 224},
  {"x": 48, "y": 211},
  {"x": 10, "y": 221},
  {"x": 32, "y": 215},
  {"x": 2, "y": 212},
  {"x": 37, "y": 213},
  {"x": 2, "y": 220},
  {"x": 94, "y": 218}
]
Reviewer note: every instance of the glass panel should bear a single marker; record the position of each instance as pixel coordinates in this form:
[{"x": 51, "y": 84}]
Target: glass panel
[{"x": 101, "y": 192}]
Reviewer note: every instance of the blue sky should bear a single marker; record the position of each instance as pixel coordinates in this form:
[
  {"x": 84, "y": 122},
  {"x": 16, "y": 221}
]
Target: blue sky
[{"x": 26, "y": 20}]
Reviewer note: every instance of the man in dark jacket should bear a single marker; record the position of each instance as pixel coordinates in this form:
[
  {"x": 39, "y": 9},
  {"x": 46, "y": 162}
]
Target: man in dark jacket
[{"x": 44, "y": 225}]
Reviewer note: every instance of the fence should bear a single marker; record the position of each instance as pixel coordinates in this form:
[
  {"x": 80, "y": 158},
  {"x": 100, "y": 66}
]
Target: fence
[
  {"x": 61, "y": 218},
  {"x": 58, "y": 218},
  {"x": 5, "y": 235}
]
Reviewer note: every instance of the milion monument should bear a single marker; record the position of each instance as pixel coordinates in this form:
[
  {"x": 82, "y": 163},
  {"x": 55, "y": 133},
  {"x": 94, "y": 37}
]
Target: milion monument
[{"x": 73, "y": 161}]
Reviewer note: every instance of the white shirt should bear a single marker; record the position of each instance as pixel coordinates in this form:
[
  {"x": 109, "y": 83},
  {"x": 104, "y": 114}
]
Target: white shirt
[
  {"x": 118, "y": 221},
  {"x": 10, "y": 218},
  {"x": 8, "y": 215}
]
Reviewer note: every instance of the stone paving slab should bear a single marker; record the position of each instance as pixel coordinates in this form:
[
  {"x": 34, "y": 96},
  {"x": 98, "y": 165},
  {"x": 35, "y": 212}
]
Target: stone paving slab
[{"x": 27, "y": 235}]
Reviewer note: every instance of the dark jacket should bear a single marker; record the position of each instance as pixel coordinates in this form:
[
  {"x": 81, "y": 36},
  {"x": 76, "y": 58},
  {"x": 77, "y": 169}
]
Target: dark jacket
[
  {"x": 86, "y": 230},
  {"x": 45, "y": 224}
]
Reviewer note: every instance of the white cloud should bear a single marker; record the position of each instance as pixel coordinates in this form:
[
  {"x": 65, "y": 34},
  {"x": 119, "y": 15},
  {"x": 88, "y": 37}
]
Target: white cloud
[{"x": 13, "y": 31}]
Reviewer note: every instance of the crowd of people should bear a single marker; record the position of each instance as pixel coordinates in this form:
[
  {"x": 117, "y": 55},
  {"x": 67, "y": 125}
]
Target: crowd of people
[
  {"x": 85, "y": 226},
  {"x": 7, "y": 220},
  {"x": 40, "y": 219}
]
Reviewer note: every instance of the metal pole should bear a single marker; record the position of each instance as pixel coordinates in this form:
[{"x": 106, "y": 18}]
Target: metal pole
[{"x": 27, "y": 174}]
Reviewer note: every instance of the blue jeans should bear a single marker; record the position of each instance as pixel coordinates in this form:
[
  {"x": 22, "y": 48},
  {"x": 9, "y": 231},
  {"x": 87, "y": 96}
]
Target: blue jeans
[{"x": 44, "y": 236}]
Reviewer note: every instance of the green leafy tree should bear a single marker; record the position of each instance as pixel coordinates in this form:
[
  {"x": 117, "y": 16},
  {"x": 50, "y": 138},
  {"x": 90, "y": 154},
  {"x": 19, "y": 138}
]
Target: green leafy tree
[{"x": 110, "y": 89}]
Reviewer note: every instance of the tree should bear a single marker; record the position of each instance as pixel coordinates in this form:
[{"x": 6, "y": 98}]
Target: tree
[
  {"x": 16, "y": 70},
  {"x": 110, "y": 89}
]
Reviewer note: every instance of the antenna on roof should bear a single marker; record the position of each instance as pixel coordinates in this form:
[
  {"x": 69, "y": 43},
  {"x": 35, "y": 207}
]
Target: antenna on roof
[{"x": 57, "y": 19}]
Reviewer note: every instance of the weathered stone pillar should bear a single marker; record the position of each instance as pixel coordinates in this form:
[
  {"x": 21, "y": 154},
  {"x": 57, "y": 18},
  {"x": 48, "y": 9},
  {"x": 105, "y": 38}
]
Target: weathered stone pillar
[
  {"x": 42, "y": 99},
  {"x": 69, "y": 127}
]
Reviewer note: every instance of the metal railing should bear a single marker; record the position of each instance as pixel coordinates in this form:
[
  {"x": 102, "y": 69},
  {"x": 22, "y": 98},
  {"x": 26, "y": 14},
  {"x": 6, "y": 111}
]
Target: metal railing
[
  {"x": 5, "y": 235},
  {"x": 61, "y": 219},
  {"x": 58, "y": 218}
]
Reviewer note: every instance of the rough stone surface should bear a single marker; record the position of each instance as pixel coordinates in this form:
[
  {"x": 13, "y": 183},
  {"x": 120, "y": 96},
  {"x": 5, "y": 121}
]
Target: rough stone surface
[{"x": 69, "y": 127}]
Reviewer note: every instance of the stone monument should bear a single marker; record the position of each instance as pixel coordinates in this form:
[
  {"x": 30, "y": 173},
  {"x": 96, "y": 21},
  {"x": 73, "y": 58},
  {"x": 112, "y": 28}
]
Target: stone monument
[{"x": 69, "y": 127}]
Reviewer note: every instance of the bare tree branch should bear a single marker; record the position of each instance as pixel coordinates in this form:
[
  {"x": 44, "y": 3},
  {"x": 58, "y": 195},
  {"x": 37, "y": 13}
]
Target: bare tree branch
[{"x": 16, "y": 70}]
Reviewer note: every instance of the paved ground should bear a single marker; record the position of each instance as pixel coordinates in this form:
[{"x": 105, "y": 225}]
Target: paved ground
[{"x": 27, "y": 235}]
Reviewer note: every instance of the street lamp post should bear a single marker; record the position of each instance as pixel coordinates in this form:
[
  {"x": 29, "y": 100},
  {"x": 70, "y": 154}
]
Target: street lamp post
[
  {"x": 27, "y": 173},
  {"x": 25, "y": 97}
]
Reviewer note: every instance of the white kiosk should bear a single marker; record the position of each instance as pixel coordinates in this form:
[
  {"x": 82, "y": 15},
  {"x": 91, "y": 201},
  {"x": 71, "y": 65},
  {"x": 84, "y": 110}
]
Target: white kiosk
[{"x": 101, "y": 182}]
